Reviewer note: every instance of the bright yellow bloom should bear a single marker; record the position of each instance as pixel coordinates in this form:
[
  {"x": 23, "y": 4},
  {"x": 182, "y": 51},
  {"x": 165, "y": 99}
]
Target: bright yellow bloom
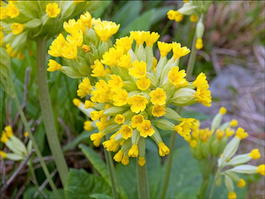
[
  {"x": 88, "y": 125},
  {"x": 179, "y": 51},
  {"x": 163, "y": 149},
  {"x": 186, "y": 126},
  {"x": 26, "y": 134},
  {"x": 55, "y": 48},
  {"x": 177, "y": 77},
  {"x": 11, "y": 10},
  {"x": 138, "y": 103},
  {"x": 4, "y": 138},
  {"x": 241, "y": 133},
  {"x": 255, "y": 154},
  {"x": 119, "y": 119},
  {"x": 125, "y": 159},
  {"x": 241, "y": 183},
  {"x": 96, "y": 115},
  {"x": 194, "y": 18},
  {"x": 146, "y": 129},
  {"x": 151, "y": 38},
  {"x": 120, "y": 97},
  {"x": 53, "y": 66},
  {"x": 53, "y": 10},
  {"x": 72, "y": 26},
  {"x": 105, "y": 29},
  {"x": 158, "y": 110},
  {"x": 133, "y": 152},
  {"x": 3, "y": 155},
  {"x": 137, "y": 120},
  {"x": 112, "y": 56},
  {"x": 124, "y": 43},
  {"x": 219, "y": 134},
  {"x": 84, "y": 88},
  {"x": 99, "y": 69},
  {"x": 199, "y": 43},
  {"x": 261, "y": 169},
  {"x": 17, "y": 28},
  {"x": 141, "y": 161},
  {"x": 193, "y": 143},
  {"x": 174, "y": 15},
  {"x": 86, "y": 20},
  {"x": 138, "y": 70},
  {"x": 222, "y": 110},
  {"x": 158, "y": 96},
  {"x": 111, "y": 145},
  {"x": 96, "y": 138},
  {"x": 164, "y": 48},
  {"x": 203, "y": 94},
  {"x": 233, "y": 123},
  {"x": 143, "y": 83},
  {"x": 138, "y": 36},
  {"x": 89, "y": 104},
  {"x": 115, "y": 82},
  {"x": 76, "y": 102},
  {"x": 232, "y": 195},
  {"x": 126, "y": 131},
  {"x": 229, "y": 132},
  {"x": 125, "y": 61},
  {"x": 118, "y": 156}
]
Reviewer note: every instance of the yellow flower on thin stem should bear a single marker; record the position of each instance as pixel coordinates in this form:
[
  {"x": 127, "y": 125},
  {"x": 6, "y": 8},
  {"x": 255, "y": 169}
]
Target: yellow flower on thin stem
[{"x": 53, "y": 10}]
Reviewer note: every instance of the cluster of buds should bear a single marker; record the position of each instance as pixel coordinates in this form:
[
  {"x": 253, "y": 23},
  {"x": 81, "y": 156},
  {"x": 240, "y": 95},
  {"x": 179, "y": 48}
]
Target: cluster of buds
[
  {"x": 135, "y": 95},
  {"x": 24, "y": 21},
  {"x": 194, "y": 9},
  {"x": 19, "y": 150},
  {"x": 87, "y": 40}
]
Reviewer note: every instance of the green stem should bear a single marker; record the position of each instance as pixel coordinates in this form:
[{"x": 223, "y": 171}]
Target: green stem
[
  {"x": 143, "y": 186},
  {"x": 47, "y": 112},
  {"x": 34, "y": 143},
  {"x": 113, "y": 178},
  {"x": 203, "y": 188},
  {"x": 192, "y": 59},
  {"x": 168, "y": 166},
  {"x": 213, "y": 186}
]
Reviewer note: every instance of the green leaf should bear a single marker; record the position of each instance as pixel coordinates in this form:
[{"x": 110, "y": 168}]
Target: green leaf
[
  {"x": 96, "y": 161},
  {"x": 80, "y": 185},
  {"x": 77, "y": 140},
  {"x": 128, "y": 13},
  {"x": 33, "y": 23},
  {"x": 99, "y": 10},
  {"x": 100, "y": 196}
]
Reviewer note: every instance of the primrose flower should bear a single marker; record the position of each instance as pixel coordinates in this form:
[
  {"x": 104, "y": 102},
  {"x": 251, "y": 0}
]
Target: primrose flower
[
  {"x": 25, "y": 21},
  {"x": 135, "y": 100},
  {"x": 19, "y": 150},
  {"x": 84, "y": 46}
]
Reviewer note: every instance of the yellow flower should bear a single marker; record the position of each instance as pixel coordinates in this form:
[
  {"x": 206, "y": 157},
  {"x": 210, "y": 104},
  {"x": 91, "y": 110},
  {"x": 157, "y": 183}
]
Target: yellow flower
[
  {"x": 26, "y": 134},
  {"x": 141, "y": 161},
  {"x": 88, "y": 125},
  {"x": 4, "y": 138},
  {"x": 199, "y": 43},
  {"x": 151, "y": 38},
  {"x": 241, "y": 133},
  {"x": 84, "y": 88},
  {"x": 137, "y": 120},
  {"x": 138, "y": 36},
  {"x": 255, "y": 154},
  {"x": 164, "y": 48},
  {"x": 17, "y": 28},
  {"x": 55, "y": 48},
  {"x": 219, "y": 134},
  {"x": 96, "y": 115},
  {"x": 118, "y": 156},
  {"x": 186, "y": 126},
  {"x": 125, "y": 61},
  {"x": 241, "y": 183},
  {"x": 53, "y": 66},
  {"x": 85, "y": 48},
  {"x": 112, "y": 56},
  {"x": 53, "y": 10},
  {"x": 163, "y": 149},
  {"x": 143, "y": 83},
  {"x": 11, "y": 10},
  {"x": 158, "y": 96},
  {"x": 222, "y": 110},
  {"x": 119, "y": 119},
  {"x": 261, "y": 169},
  {"x": 133, "y": 152},
  {"x": 233, "y": 123},
  {"x": 171, "y": 14},
  {"x": 124, "y": 43},
  {"x": 146, "y": 129},
  {"x": 177, "y": 78},
  {"x": 125, "y": 159},
  {"x": 178, "y": 17},
  {"x": 98, "y": 69},
  {"x": 202, "y": 94},
  {"x": 120, "y": 97},
  {"x": 179, "y": 51},
  {"x": 232, "y": 195},
  {"x": 3, "y": 155},
  {"x": 138, "y": 69},
  {"x": 72, "y": 26},
  {"x": 86, "y": 20},
  {"x": 89, "y": 104},
  {"x": 229, "y": 132},
  {"x": 193, "y": 143},
  {"x": 76, "y": 102},
  {"x": 105, "y": 29},
  {"x": 96, "y": 138},
  {"x": 158, "y": 110},
  {"x": 194, "y": 18},
  {"x": 115, "y": 82},
  {"x": 126, "y": 131},
  {"x": 138, "y": 103},
  {"x": 111, "y": 145}
]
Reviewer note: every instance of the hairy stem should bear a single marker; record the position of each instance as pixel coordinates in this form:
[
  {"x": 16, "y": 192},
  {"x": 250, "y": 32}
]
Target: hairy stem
[
  {"x": 168, "y": 166},
  {"x": 143, "y": 186},
  {"x": 192, "y": 59},
  {"x": 47, "y": 112},
  {"x": 113, "y": 178},
  {"x": 203, "y": 189}
]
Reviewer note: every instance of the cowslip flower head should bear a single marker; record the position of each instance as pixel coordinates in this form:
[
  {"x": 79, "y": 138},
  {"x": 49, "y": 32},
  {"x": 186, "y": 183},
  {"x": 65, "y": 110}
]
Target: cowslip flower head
[
  {"x": 25, "y": 21},
  {"x": 83, "y": 47},
  {"x": 135, "y": 97}
]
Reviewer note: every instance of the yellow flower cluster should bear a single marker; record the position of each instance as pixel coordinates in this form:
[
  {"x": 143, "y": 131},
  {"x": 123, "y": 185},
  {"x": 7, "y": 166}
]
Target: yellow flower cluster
[
  {"x": 133, "y": 98},
  {"x": 87, "y": 38},
  {"x": 7, "y": 133}
]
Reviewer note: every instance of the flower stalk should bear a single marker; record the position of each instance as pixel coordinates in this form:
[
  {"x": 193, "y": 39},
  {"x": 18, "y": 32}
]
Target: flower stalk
[
  {"x": 143, "y": 186},
  {"x": 47, "y": 112}
]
